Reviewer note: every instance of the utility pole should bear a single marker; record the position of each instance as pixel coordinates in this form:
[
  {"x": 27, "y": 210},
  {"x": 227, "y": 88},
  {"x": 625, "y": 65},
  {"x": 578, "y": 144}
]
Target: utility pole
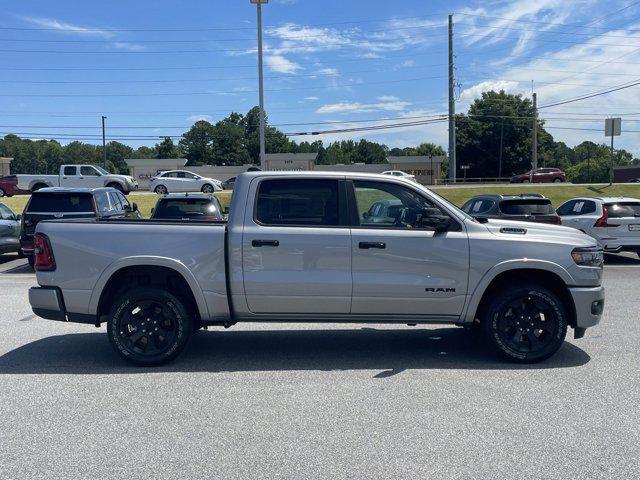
[
  {"x": 104, "y": 145},
  {"x": 260, "y": 82},
  {"x": 452, "y": 109},
  {"x": 534, "y": 136},
  {"x": 501, "y": 144}
]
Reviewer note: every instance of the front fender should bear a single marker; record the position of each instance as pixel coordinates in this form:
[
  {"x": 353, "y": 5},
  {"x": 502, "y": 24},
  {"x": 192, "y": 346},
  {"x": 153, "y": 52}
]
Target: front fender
[
  {"x": 142, "y": 261},
  {"x": 524, "y": 263}
]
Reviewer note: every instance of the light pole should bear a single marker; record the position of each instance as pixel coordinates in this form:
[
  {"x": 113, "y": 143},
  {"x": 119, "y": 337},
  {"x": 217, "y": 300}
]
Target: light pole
[{"x": 258, "y": 4}]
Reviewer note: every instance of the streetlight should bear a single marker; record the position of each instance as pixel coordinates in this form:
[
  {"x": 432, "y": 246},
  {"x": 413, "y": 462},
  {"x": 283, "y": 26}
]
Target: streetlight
[{"x": 258, "y": 4}]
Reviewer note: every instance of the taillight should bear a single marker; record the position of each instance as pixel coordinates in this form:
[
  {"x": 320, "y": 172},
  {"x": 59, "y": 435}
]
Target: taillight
[
  {"x": 602, "y": 221},
  {"x": 42, "y": 254},
  {"x": 555, "y": 219}
]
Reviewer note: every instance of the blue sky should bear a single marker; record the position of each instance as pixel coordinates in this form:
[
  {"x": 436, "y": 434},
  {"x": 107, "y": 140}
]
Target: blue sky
[{"x": 153, "y": 67}]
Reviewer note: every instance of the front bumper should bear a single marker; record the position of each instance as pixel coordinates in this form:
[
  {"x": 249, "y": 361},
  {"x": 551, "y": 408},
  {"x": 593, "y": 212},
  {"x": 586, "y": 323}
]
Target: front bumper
[{"x": 589, "y": 304}]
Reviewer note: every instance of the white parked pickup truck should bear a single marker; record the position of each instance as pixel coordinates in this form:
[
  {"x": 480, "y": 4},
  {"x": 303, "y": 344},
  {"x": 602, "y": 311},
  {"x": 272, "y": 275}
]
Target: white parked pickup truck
[
  {"x": 309, "y": 247},
  {"x": 78, "y": 176}
]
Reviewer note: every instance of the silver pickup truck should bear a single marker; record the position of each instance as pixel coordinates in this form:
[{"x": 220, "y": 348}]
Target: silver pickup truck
[{"x": 320, "y": 247}]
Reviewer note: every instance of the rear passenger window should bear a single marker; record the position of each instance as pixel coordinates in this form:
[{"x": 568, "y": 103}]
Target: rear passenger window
[
  {"x": 102, "y": 202},
  {"x": 298, "y": 202}
]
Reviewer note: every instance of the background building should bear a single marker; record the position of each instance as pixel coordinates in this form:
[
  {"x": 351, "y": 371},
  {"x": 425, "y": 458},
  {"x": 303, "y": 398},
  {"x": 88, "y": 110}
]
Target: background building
[{"x": 5, "y": 163}]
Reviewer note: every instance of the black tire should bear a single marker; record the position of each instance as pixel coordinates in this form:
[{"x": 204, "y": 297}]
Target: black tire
[
  {"x": 134, "y": 312},
  {"x": 525, "y": 324},
  {"x": 526, "y": 180},
  {"x": 117, "y": 186},
  {"x": 38, "y": 186},
  {"x": 161, "y": 190},
  {"x": 207, "y": 188},
  {"x": 557, "y": 180},
  {"x": 32, "y": 261}
]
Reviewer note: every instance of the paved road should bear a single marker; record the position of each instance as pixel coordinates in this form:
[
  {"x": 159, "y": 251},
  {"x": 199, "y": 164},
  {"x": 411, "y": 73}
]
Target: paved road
[{"x": 303, "y": 402}]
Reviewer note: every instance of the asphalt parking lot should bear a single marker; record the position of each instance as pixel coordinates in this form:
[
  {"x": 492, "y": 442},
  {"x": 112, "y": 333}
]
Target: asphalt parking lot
[{"x": 311, "y": 401}]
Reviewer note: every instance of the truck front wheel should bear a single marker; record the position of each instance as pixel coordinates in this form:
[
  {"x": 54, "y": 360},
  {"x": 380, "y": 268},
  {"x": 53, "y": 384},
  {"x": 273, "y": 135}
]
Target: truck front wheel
[
  {"x": 149, "y": 326},
  {"x": 117, "y": 186},
  {"x": 525, "y": 324}
]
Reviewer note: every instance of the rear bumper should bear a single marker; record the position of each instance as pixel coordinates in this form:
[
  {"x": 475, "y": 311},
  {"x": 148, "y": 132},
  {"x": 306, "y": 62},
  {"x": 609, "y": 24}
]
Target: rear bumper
[
  {"x": 48, "y": 303},
  {"x": 589, "y": 304}
]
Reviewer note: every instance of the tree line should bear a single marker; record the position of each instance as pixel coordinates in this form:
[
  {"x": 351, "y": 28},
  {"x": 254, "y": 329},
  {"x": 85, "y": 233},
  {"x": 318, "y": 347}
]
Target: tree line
[{"x": 493, "y": 139}]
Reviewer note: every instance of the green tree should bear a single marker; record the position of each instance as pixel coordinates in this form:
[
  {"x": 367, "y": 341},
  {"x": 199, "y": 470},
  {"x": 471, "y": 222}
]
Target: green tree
[
  {"x": 167, "y": 149},
  {"x": 197, "y": 143},
  {"x": 228, "y": 145}
]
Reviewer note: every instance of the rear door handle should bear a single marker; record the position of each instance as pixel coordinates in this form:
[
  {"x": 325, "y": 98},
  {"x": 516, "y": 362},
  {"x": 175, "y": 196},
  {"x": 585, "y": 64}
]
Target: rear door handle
[
  {"x": 367, "y": 245},
  {"x": 265, "y": 243}
]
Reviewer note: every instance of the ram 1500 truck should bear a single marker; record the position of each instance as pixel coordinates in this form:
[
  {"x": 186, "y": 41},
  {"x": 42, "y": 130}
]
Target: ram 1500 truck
[
  {"x": 78, "y": 176},
  {"x": 320, "y": 247}
]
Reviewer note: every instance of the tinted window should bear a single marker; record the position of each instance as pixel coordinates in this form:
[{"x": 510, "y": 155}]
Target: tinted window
[
  {"x": 527, "y": 207},
  {"x": 567, "y": 208},
  {"x": 298, "y": 202},
  {"x": 193, "y": 208},
  {"x": 123, "y": 200},
  {"x": 5, "y": 213},
  {"x": 102, "y": 202},
  {"x": 623, "y": 210},
  {"x": 475, "y": 207},
  {"x": 57, "y": 202},
  {"x": 115, "y": 201},
  {"x": 89, "y": 172},
  {"x": 387, "y": 205},
  {"x": 169, "y": 175},
  {"x": 69, "y": 171}
]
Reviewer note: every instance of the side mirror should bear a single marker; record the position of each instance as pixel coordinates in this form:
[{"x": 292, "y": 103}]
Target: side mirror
[
  {"x": 433, "y": 217},
  {"x": 134, "y": 206},
  {"x": 18, "y": 217},
  {"x": 225, "y": 210},
  {"x": 366, "y": 215}
]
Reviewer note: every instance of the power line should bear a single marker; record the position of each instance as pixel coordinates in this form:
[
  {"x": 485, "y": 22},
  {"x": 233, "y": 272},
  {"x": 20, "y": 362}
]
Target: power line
[{"x": 591, "y": 95}]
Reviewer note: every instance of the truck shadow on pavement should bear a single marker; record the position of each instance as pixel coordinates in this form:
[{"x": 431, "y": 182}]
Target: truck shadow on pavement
[{"x": 391, "y": 351}]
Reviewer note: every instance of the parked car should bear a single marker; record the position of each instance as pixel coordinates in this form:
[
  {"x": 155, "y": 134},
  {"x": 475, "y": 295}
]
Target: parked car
[
  {"x": 182, "y": 181},
  {"x": 9, "y": 231},
  {"x": 78, "y": 176},
  {"x": 613, "y": 221},
  {"x": 541, "y": 175},
  {"x": 68, "y": 203},
  {"x": 634, "y": 180},
  {"x": 297, "y": 248},
  {"x": 401, "y": 174},
  {"x": 9, "y": 186},
  {"x": 185, "y": 206},
  {"x": 228, "y": 184},
  {"x": 531, "y": 207}
]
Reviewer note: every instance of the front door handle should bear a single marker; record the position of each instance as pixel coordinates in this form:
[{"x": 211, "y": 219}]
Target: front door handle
[
  {"x": 367, "y": 245},
  {"x": 265, "y": 243}
]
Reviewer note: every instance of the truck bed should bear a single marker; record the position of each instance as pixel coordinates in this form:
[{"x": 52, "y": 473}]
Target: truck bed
[{"x": 88, "y": 252}]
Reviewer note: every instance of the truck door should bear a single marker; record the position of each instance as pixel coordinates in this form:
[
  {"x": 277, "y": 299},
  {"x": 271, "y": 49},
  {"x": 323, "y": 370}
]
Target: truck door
[
  {"x": 296, "y": 253},
  {"x": 90, "y": 177},
  {"x": 399, "y": 266},
  {"x": 70, "y": 177}
]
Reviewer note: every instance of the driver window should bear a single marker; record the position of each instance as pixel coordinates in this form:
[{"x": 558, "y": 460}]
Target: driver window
[
  {"x": 89, "y": 172},
  {"x": 387, "y": 205}
]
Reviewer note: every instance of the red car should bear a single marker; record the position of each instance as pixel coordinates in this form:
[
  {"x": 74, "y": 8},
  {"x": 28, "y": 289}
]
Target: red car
[
  {"x": 541, "y": 175},
  {"x": 9, "y": 187}
]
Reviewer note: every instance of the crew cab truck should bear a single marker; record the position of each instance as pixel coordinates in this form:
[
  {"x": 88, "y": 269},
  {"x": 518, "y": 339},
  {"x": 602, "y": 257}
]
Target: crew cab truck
[
  {"x": 78, "y": 176},
  {"x": 300, "y": 247}
]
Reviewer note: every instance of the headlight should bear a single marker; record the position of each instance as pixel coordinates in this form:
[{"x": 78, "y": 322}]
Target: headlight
[{"x": 588, "y": 257}]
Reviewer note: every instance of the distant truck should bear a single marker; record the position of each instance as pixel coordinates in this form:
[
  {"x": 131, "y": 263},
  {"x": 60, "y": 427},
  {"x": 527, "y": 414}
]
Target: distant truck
[{"x": 78, "y": 176}]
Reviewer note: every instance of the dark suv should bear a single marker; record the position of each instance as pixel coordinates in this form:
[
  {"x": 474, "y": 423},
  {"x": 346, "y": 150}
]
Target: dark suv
[
  {"x": 531, "y": 207},
  {"x": 52, "y": 203}
]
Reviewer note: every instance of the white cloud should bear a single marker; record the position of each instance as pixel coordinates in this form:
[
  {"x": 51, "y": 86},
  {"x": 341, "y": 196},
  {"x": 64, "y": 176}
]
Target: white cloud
[
  {"x": 311, "y": 98},
  {"x": 357, "y": 107},
  {"x": 280, "y": 64},
  {"x": 63, "y": 27},
  {"x": 469, "y": 94},
  {"x": 196, "y": 118},
  {"x": 131, "y": 47},
  {"x": 328, "y": 71},
  {"x": 388, "y": 98}
]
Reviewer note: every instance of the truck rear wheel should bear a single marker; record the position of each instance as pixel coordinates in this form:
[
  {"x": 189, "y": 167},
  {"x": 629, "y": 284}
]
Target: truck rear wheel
[
  {"x": 149, "y": 326},
  {"x": 525, "y": 324},
  {"x": 38, "y": 186}
]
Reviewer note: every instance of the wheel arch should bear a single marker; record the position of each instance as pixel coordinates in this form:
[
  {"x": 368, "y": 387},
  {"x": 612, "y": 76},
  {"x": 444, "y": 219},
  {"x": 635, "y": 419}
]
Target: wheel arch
[
  {"x": 548, "y": 275},
  {"x": 174, "y": 275}
]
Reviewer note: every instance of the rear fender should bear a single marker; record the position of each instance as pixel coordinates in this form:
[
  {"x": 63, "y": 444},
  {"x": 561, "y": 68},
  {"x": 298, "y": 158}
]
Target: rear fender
[{"x": 142, "y": 261}]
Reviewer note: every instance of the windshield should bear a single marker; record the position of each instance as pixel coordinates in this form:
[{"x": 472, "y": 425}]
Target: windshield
[
  {"x": 102, "y": 170},
  {"x": 451, "y": 205}
]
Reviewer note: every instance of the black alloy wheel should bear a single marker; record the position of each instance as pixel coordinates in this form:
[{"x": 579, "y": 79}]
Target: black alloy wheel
[
  {"x": 526, "y": 324},
  {"x": 149, "y": 326}
]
